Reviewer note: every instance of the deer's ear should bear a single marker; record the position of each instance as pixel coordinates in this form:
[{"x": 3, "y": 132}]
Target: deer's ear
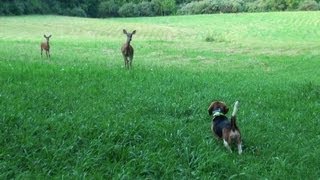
[
  {"x": 44, "y": 36},
  {"x": 49, "y": 36},
  {"x": 133, "y": 32},
  {"x": 124, "y": 31}
]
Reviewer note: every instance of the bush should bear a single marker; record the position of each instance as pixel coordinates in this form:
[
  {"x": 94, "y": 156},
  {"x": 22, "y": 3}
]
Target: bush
[
  {"x": 187, "y": 9},
  {"x": 128, "y": 10},
  {"x": 200, "y": 7},
  {"x": 157, "y": 8},
  {"x": 56, "y": 8},
  {"x": 259, "y": 6},
  {"x": 238, "y": 6},
  {"x": 36, "y": 7},
  {"x": 17, "y": 7},
  {"x": 226, "y": 6},
  {"x": 108, "y": 8},
  {"x": 146, "y": 9},
  {"x": 309, "y": 5},
  {"x": 269, "y": 5},
  {"x": 212, "y": 6},
  {"x": 215, "y": 38},
  {"x": 278, "y": 5},
  {"x": 168, "y": 7},
  {"x": 4, "y": 8},
  {"x": 232, "y": 6},
  {"x": 78, "y": 11},
  {"x": 292, "y": 4}
]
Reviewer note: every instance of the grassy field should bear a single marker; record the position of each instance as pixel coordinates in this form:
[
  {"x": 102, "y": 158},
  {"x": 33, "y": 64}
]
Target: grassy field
[{"x": 81, "y": 114}]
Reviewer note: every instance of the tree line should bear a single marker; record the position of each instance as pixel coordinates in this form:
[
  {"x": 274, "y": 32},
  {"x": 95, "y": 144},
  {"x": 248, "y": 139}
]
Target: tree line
[{"x": 135, "y": 8}]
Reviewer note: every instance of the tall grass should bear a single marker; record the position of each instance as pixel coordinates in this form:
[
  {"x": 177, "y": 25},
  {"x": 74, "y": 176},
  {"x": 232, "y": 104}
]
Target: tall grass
[{"x": 81, "y": 114}]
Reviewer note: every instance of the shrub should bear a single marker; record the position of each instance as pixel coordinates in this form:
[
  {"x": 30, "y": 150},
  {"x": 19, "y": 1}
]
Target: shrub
[
  {"x": 168, "y": 7},
  {"x": 232, "y": 6},
  {"x": 157, "y": 7},
  {"x": 17, "y": 8},
  {"x": 128, "y": 10},
  {"x": 108, "y": 8},
  {"x": 278, "y": 5},
  {"x": 56, "y": 8},
  {"x": 78, "y": 11},
  {"x": 292, "y": 4},
  {"x": 146, "y": 9},
  {"x": 309, "y": 5},
  {"x": 200, "y": 7},
  {"x": 190, "y": 8},
  {"x": 4, "y": 8},
  {"x": 238, "y": 6},
  {"x": 36, "y": 7},
  {"x": 226, "y": 6},
  {"x": 215, "y": 37},
  {"x": 259, "y": 6},
  {"x": 209, "y": 39},
  {"x": 212, "y": 6}
]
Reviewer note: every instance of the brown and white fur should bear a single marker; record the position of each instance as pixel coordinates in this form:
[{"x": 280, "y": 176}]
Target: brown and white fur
[
  {"x": 46, "y": 46},
  {"x": 222, "y": 128},
  {"x": 127, "y": 49}
]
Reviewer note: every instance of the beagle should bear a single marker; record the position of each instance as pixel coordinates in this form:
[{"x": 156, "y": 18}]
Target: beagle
[{"x": 221, "y": 127}]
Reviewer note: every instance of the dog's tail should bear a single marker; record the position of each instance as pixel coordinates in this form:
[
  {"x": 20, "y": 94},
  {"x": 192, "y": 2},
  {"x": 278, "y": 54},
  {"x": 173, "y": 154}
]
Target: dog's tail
[{"x": 233, "y": 116}]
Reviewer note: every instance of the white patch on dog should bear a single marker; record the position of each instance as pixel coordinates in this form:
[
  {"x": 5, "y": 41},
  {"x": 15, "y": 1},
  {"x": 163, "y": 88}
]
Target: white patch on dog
[
  {"x": 225, "y": 143},
  {"x": 240, "y": 148},
  {"x": 235, "y": 108}
]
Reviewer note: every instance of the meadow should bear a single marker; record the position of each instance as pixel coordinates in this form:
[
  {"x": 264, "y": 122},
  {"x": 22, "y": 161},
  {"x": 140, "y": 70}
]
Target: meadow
[{"x": 82, "y": 114}]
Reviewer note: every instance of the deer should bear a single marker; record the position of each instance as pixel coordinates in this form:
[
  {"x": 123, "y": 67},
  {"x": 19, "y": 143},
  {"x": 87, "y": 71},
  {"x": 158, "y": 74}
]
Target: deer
[
  {"x": 45, "y": 46},
  {"x": 127, "y": 50}
]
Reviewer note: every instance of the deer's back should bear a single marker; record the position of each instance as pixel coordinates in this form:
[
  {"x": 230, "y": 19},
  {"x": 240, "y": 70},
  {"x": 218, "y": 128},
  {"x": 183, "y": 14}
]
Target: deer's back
[
  {"x": 127, "y": 50},
  {"x": 45, "y": 46}
]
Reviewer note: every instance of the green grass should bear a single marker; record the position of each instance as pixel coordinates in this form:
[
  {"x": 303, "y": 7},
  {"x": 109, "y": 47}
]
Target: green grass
[{"x": 81, "y": 114}]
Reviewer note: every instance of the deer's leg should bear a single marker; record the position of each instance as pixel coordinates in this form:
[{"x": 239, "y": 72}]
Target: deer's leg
[
  {"x": 130, "y": 61},
  {"x": 41, "y": 52},
  {"x": 125, "y": 61},
  {"x": 49, "y": 53}
]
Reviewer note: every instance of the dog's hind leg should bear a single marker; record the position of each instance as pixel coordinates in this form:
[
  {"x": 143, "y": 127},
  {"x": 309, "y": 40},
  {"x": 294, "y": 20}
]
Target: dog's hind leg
[
  {"x": 225, "y": 143},
  {"x": 239, "y": 143},
  {"x": 240, "y": 148},
  {"x": 226, "y": 139}
]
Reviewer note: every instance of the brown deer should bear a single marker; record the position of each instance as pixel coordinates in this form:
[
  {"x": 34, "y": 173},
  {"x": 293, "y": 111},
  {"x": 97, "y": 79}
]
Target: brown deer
[
  {"x": 45, "y": 46},
  {"x": 127, "y": 50}
]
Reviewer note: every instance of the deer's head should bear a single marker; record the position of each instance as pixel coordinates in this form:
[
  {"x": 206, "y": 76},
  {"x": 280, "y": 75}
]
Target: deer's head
[
  {"x": 129, "y": 35},
  {"x": 47, "y": 37}
]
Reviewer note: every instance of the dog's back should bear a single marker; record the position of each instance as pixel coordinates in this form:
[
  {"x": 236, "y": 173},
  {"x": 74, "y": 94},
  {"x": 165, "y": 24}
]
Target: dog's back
[{"x": 219, "y": 123}]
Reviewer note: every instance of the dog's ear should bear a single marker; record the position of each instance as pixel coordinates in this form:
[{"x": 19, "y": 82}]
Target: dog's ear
[
  {"x": 210, "y": 109},
  {"x": 225, "y": 109}
]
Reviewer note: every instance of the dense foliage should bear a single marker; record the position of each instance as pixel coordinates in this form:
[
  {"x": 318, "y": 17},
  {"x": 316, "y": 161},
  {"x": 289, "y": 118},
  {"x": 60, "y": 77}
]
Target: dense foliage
[{"x": 134, "y": 8}]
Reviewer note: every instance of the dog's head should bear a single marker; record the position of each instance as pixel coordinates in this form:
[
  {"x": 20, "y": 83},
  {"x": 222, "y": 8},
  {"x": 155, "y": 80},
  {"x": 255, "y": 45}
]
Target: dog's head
[{"x": 218, "y": 106}]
